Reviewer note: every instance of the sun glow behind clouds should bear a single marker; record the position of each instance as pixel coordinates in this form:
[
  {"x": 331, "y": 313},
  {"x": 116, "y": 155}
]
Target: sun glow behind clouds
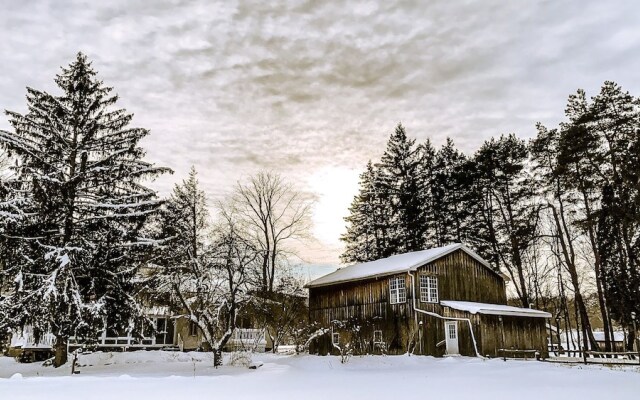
[{"x": 334, "y": 188}]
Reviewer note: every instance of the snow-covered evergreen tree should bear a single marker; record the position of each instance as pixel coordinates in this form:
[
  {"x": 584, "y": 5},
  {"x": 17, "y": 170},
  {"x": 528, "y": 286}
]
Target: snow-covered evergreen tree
[
  {"x": 185, "y": 225},
  {"x": 79, "y": 232}
]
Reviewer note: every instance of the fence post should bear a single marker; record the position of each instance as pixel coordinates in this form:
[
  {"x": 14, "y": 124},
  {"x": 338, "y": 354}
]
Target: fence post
[
  {"x": 635, "y": 335},
  {"x": 584, "y": 355},
  {"x": 504, "y": 353}
]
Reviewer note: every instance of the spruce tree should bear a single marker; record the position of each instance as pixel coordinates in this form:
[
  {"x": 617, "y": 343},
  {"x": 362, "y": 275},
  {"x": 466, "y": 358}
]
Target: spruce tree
[
  {"x": 399, "y": 181},
  {"x": 79, "y": 237},
  {"x": 428, "y": 207},
  {"x": 185, "y": 225},
  {"x": 448, "y": 191},
  {"x": 365, "y": 237}
]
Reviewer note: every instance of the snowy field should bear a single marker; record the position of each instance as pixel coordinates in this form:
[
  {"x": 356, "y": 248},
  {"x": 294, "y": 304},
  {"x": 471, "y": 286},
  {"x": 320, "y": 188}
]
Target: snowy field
[{"x": 166, "y": 375}]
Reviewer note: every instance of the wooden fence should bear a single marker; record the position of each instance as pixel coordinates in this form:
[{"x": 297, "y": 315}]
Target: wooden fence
[{"x": 596, "y": 357}]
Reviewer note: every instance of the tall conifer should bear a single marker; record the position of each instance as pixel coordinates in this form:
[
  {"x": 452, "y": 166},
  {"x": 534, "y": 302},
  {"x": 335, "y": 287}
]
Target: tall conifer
[{"x": 80, "y": 233}]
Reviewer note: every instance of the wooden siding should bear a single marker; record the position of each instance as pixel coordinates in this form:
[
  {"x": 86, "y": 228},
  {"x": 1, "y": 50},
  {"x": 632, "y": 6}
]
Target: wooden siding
[
  {"x": 520, "y": 333},
  {"x": 365, "y": 303},
  {"x": 462, "y": 278}
]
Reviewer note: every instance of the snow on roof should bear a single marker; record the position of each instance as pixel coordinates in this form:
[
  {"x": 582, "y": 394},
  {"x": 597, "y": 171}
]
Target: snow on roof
[
  {"x": 494, "y": 309},
  {"x": 391, "y": 265},
  {"x": 617, "y": 336}
]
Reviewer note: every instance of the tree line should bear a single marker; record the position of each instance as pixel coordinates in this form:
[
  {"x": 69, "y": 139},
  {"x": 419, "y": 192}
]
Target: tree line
[
  {"x": 85, "y": 245},
  {"x": 558, "y": 214}
]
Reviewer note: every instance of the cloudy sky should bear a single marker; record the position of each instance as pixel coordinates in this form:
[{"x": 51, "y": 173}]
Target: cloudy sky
[{"x": 313, "y": 89}]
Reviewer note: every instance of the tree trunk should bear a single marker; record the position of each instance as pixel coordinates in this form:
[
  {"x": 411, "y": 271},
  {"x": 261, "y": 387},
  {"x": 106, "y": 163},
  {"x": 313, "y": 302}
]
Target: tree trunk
[
  {"x": 631, "y": 339},
  {"x": 217, "y": 358},
  {"x": 60, "y": 350},
  {"x": 581, "y": 310},
  {"x": 606, "y": 319}
]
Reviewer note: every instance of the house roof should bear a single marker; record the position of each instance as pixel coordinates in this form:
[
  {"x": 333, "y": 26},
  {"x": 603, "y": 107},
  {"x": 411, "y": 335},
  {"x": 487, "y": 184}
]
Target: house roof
[
  {"x": 494, "y": 309},
  {"x": 392, "y": 265}
]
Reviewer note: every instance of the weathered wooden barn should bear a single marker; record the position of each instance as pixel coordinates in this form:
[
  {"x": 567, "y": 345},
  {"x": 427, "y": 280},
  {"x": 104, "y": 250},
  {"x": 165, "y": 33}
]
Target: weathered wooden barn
[{"x": 441, "y": 301}]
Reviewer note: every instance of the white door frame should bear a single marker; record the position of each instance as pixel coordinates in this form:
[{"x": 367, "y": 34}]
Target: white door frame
[{"x": 451, "y": 329}]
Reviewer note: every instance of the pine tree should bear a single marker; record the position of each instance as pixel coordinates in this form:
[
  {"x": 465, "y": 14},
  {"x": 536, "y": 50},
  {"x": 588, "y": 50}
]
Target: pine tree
[
  {"x": 510, "y": 214},
  {"x": 614, "y": 116},
  {"x": 80, "y": 235},
  {"x": 620, "y": 269}
]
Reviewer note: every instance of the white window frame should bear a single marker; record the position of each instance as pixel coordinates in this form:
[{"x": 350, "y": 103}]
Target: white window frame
[
  {"x": 397, "y": 290},
  {"x": 335, "y": 338},
  {"x": 428, "y": 288},
  {"x": 452, "y": 331},
  {"x": 379, "y": 339}
]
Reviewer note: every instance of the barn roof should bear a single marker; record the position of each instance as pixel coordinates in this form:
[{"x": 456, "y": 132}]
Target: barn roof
[
  {"x": 392, "y": 265},
  {"x": 494, "y": 309}
]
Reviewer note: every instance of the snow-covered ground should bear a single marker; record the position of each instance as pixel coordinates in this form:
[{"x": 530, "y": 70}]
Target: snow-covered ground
[{"x": 172, "y": 375}]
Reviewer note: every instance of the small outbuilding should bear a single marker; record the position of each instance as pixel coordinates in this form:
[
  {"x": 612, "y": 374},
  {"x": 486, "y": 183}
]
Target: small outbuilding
[{"x": 440, "y": 301}]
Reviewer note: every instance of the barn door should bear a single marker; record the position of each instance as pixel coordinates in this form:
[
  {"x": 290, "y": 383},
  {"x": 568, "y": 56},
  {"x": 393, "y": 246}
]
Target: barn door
[{"x": 451, "y": 337}]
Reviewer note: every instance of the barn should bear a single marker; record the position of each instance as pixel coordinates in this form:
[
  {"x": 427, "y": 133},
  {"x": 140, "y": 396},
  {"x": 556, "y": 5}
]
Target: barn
[{"x": 440, "y": 301}]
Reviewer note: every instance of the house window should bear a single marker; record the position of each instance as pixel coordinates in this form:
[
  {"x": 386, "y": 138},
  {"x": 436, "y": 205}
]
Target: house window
[
  {"x": 428, "y": 288},
  {"x": 193, "y": 328},
  {"x": 335, "y": 338},
  {"x": 397, "y": 290},
  {"x": 377, "y": 337},
  {"x": 164, "y": 330}
]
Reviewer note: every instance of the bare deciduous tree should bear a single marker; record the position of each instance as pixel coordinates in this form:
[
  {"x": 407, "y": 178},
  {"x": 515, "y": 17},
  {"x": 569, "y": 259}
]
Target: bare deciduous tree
[
  {"x": 273, "y": 213},
  {"x": 214, "y": 290}
]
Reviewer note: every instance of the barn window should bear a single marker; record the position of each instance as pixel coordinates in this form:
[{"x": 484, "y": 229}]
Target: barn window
[
  {"x": 377, "y": 337},
  {"x": 429, "y": 288},
  {"x": 397, "y": 290},
  {"x": 335, "y": 338}
]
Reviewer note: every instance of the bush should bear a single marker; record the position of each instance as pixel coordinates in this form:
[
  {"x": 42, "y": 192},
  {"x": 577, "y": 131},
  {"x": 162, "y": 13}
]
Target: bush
[{"x": 240, "y": 359}]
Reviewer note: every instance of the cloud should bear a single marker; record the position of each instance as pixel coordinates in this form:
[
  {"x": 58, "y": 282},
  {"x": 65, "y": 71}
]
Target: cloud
[{"x": 233, "y": 87}]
